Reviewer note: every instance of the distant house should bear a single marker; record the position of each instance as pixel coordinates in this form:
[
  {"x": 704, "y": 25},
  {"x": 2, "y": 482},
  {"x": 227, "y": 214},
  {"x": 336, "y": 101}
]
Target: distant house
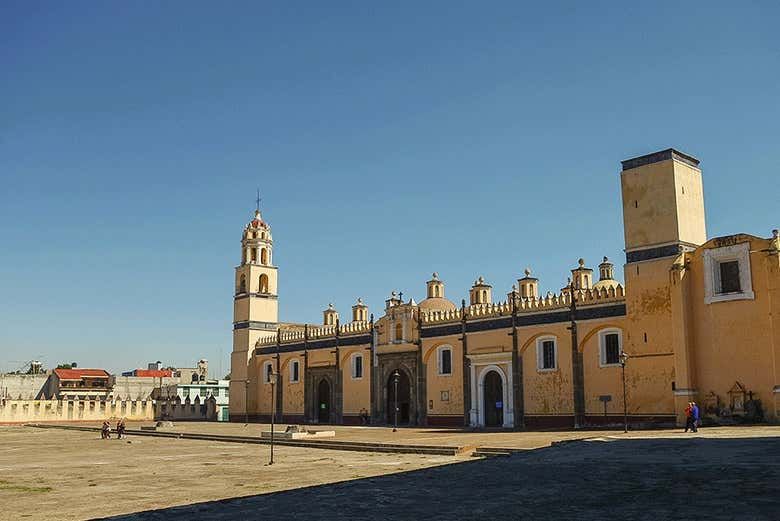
[
  {"x": 219, "y": 389},
  {"x": 79, "y": 384},
  {"x": 153, "y": 373}
]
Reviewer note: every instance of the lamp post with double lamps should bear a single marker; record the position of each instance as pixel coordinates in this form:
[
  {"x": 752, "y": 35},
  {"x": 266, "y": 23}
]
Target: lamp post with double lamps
[
  {"x": 623, "y": 359},
  {"x": 396, "y": 377}
]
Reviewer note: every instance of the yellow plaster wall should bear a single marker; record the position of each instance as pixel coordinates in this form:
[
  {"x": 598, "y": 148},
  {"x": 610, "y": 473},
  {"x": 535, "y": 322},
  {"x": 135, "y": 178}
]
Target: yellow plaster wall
[
  {"x": 260, "y": 391},
  {"x": 737, "y": 340},
  {"x": 648, "y": 376},
  {"x": 648, "y": 307},
  {"x": 546, "y": 392},
  {"x": 653, "y": 220},
  {"x": 356, "y": 391},
  {"x": 292, "y": 392},
  {"x": 437, "y": 383},
  {"x": 689, "y": 196}
]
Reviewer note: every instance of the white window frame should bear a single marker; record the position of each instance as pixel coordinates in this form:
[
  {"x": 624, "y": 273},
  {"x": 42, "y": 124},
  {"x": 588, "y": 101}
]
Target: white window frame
[
  {"x": 712, "y": 284},
  {"x": 266, "y": 374},
  {"x": 603, "y": 346},
  {"x": 353, "y": 366},
  {"x": 540, "y": 353},
  {"x": 294, "y": 380},
  {"x": 440, "y": 361}
]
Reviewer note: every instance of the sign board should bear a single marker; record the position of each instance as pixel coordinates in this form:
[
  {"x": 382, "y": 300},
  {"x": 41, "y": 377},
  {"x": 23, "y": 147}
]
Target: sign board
[
  {"x": 605, "y": 398},
  {"x": 499, "y": 405}
]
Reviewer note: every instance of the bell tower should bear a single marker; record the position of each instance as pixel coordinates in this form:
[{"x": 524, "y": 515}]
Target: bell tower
[
  {"x": 663, "y": 218},
  {"x": 255, "y": 305}
]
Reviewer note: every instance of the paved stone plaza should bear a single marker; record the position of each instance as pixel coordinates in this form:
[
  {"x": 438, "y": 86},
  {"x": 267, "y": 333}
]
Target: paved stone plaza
[{"x": 724, "y": 473}]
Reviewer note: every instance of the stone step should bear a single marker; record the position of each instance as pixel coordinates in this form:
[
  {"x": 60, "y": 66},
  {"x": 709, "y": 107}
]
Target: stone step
[{"x": 439, "y": 450}]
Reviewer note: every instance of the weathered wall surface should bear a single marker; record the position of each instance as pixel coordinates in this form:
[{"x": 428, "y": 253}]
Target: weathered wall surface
[
  {"x": 186, "y": 410},
  {"x": 138, "y": 387},
  {"x": 22, "y": 411},
  {"x": 22, "y": 386},
  {"x": 444, "y": 391},
  {"x": 735, "y": 341}
]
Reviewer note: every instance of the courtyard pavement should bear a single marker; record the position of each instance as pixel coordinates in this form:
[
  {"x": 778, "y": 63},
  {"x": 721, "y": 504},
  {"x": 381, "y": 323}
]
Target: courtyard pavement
[
  {"x": 719, "y": 478},
  {"x": 719, "y": 473}
]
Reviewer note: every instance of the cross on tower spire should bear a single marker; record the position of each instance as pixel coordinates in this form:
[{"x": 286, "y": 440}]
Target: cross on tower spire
[{"x": 257, "y": 201}]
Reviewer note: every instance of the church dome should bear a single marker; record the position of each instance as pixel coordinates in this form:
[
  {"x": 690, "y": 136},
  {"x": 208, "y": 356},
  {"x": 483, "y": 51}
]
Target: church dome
[
  {"x": 436, "y": 300},
  {"x": 606, "y": 283},
  {"x": 606, "y": 276},
  {"x": 437, "y": 304},
  {"x": 257, "y": 222}
]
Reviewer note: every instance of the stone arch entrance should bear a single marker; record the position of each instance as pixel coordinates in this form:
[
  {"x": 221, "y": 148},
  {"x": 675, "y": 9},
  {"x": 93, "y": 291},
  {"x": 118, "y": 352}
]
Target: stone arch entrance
[
  {"x": 404, "y": 398},
  {"x": 493, "y": 399},
  {"x": 323, "y": 401}
]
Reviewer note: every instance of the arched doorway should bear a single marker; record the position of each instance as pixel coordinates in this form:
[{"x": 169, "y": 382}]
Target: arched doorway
[
  {"x": 404, "y": 399},
  {"x": 493, "y": 392},
  {"x": 323, "y": 401}
]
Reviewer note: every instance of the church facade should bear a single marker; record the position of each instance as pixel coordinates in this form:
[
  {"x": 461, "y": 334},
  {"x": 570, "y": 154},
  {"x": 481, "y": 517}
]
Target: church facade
[{"x": 697, "y": 319}]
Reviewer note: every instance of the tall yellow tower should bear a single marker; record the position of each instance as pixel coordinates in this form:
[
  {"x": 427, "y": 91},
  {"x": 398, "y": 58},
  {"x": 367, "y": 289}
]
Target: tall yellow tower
[
  {"x": 663, "y": 217},
  {"x": 663, "y": 204},
  {"x": 255, "y": 306}
]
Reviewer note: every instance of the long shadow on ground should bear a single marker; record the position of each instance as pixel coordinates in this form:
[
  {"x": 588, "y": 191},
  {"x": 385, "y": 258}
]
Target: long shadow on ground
[{"x": 691, "y": 478}]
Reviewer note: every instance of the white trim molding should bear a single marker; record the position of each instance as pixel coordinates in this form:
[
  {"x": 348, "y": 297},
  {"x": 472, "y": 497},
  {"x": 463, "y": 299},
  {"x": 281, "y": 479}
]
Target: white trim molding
[
  {"x": 439, "y": 362},
  {"x": 540, "y": 353},
  {"x": 712, "y": 259},
  {"x": 603, "y": 345},
  {"x": 480, "y": 365},
  {"x": 353, "y": 366},
  {"x": 293, "y": 362}
]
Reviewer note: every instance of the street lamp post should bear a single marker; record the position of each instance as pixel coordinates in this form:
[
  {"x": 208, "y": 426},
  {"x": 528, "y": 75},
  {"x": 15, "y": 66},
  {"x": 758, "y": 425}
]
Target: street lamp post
[
  {"x": 273, "y": 413},
  {"x": 246, "y": 402},
  {"x": 623, "y": 360},
  {"x": 396, "y": 377}
]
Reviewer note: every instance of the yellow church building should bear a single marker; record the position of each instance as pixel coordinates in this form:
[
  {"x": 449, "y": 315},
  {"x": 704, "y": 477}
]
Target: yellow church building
[{"x": 698, "y": 319}]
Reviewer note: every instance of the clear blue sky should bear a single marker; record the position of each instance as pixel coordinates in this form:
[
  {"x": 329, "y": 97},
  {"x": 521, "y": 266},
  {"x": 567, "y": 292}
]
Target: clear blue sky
[{"x": 389, "y": 140}]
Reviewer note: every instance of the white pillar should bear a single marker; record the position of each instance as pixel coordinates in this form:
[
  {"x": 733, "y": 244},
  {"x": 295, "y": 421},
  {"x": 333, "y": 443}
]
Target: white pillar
[
  {"x": 509, "y": 414},
  {"x": 474, "y": 413}
]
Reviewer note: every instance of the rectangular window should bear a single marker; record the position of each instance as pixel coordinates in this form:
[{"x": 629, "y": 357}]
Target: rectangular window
[
  {"x": 357, "y": 367},
  {"x": 446, "y": 361},
  {"x": 548, "y": 354},
  {"x": 611, "y": 348},
  {"x": 268, "y": 371},
  {"x": 729, "y": 277},
  {"x": 294, "y": 371}
]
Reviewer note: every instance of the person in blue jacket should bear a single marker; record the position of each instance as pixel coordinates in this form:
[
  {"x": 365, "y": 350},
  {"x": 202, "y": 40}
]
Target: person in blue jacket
[{"x": 695, "y": 417}]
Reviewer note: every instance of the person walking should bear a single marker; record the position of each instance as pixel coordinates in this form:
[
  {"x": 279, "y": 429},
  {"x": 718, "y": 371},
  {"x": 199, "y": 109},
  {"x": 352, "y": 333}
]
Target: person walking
[
  {"x": 120, "y": 428},
  {"x": 695, "y": 416},
  {"x": 105, "y": 431},
  {"x": 688, "y": 417}
]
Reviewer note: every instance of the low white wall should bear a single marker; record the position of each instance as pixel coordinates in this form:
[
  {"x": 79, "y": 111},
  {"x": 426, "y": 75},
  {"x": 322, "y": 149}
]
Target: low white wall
[{"x": 23, "y": 411}]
